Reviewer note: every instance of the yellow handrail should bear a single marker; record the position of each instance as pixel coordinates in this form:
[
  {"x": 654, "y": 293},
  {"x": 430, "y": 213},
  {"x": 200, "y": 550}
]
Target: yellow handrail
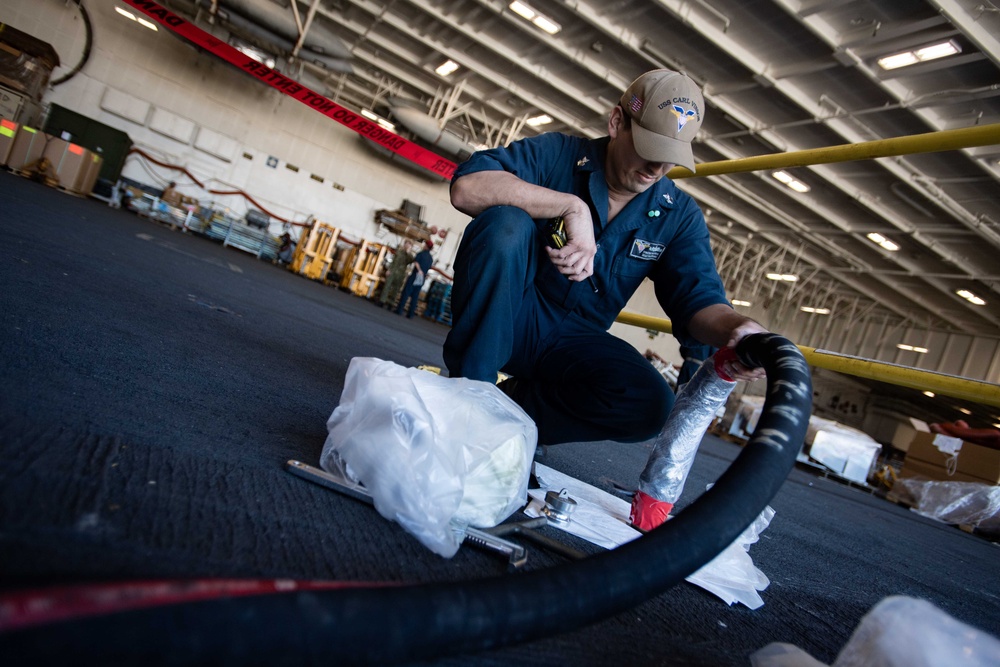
[
  {"x": 976, "y": 391},
  {"x": 930, "y": 142}
]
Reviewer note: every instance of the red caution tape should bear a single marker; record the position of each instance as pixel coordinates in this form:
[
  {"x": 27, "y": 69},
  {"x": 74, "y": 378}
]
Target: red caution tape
[{"x": 397, "y": 144}]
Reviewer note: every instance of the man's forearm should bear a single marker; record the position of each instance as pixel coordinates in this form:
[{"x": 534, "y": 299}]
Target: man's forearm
[
  {"x": 474, "y": 193},
  {"x": 719, "y": 324}
]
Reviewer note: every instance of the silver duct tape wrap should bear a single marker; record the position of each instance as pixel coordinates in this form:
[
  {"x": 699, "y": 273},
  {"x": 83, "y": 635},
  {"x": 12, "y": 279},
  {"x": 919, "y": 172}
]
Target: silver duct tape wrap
[{"x": 676, "y": 445}]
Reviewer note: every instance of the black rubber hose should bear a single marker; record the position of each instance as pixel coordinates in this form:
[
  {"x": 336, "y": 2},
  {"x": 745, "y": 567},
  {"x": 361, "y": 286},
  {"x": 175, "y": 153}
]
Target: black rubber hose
[
  {"x": 87, "y": 46},
  {"x": 392, "y": 624}
]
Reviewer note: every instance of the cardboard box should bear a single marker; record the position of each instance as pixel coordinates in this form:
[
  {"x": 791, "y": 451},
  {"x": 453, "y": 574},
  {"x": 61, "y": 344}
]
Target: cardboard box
[
  {"x": 8, "y": 130},
  {"x": 28, "y": 146},
  {"x": 932, "y": 471},
  {"x": 981, "y": 463},
  {"x": 906, "y": 431}
]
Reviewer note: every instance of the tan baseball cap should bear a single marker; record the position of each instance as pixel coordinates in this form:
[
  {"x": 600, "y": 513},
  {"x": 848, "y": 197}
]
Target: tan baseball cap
[{"x": 666, "y": 108}]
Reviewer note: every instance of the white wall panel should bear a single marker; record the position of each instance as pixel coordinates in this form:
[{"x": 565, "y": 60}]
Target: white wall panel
[
  {"x": 125, "y": 106},
  {"x": 216, "y": 144},
  {"x": 171, "y": 125}
]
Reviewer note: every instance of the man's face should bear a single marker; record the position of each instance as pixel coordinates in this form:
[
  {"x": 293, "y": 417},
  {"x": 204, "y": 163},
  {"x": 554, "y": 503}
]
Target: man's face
[{"x": 625, "y": 170}]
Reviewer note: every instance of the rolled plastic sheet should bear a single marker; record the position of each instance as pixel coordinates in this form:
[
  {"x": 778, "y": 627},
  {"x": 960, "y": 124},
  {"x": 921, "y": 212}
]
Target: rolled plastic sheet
[{"x": 675, "y": 447}]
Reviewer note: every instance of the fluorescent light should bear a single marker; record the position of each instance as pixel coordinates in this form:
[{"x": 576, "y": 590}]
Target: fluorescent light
[
  {"x": 740, "y": 302},
  {"x": 544, "y": 119},
  {"x": 921, "y": 350},
  {"x": 886, "y": 244},
  {"x": 786, "y": 277},
  {"x": 371, "y": 115},
  {"x": 923, "y": 54},
  {"x": 898, "y": 60},
  {"x": 522, "y": 9},
  {"x": 547, "y": 24},
  {"x": 912, "y": 348},
  {"x": 540, "y": 20},
  {"x": 132, "y": 17},
  {"x": 970, "y": 297},
  {"x": 929, "y": 394},
  {"x": 446, "y": 68},
  {"x": 817, "y": 311},
  {"x": 935, "y": 51},
  {"x": 965, "y": 411},
  {"x": 790, "y": 181}
]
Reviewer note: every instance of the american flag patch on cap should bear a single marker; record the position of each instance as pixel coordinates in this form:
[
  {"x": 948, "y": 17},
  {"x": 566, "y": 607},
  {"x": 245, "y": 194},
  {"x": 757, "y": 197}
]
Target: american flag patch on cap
[{"x": 635, "y": 104}]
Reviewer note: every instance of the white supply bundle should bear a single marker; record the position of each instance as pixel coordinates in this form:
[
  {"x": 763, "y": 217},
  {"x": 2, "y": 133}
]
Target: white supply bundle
[{"x": 436, "y": 454}]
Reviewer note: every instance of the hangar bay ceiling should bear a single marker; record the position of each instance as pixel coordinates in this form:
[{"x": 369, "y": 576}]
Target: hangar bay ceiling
[{"x": 914, "y": 239}]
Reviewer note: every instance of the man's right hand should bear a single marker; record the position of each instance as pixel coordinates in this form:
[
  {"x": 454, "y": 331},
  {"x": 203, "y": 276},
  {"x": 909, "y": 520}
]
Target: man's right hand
[{"x": 575, "y": 260}]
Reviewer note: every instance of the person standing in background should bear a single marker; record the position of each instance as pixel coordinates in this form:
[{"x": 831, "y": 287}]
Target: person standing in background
[
  {"x": 421, "y": 265},
  {"x": 396, "y": 274}
]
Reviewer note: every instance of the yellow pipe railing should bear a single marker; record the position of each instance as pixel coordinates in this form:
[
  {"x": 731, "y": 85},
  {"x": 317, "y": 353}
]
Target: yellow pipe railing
[
  {"x": 931, "y": 142},
  {"x": 903, "y": 376}
]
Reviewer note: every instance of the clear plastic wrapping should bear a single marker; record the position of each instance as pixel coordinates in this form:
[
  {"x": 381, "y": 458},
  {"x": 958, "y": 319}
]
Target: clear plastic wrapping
[
  {"x": 675, "y": 447},
  {"x": 436, "y": 454}
]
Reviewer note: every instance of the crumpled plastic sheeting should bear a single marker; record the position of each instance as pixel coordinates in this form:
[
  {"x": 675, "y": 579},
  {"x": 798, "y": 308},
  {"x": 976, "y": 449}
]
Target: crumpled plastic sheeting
[
  {"x": 675, "y": 447},
  {"x": 732, "y": 575},
  {"x": 436, "y": 454},
  {"x": 899, "y": 631},
  {"x": 967, "y": 503}
]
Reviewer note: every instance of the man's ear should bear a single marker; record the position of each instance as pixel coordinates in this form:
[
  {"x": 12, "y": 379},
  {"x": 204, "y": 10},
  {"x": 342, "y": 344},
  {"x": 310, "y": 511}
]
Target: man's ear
[{"x": 615, "y": 121}]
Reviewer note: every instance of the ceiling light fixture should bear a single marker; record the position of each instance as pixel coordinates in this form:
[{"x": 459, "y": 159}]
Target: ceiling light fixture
[
  {"x": 923, "y": 54},
  {"x": 378, "y": 119},
  {"x": 912, "y": 348},
  {"x": 929, "y": 394},
  {"x": 817, "y": 311},
  {"x": 446, "y": 68},
  {"x": 786, "y": 277},
  {"x": 965, "y": 411},
  {"x": 138, "y": 19},
  {"x": 886, "y": 244},
  {"x": 740, "y": 302},
  {"x": 544, "y": 119},
  {"x": 970, "y": 297},
  {"x": 540, "y": 20},
  {"x": 790, "y": 181}
]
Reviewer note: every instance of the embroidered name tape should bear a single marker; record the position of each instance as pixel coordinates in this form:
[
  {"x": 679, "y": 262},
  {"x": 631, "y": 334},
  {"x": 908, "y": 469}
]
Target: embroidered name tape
[{"x": 646, "y": 250}]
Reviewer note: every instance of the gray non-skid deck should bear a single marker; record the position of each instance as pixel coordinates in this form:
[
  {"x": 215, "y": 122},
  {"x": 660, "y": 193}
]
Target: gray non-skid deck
[{"x": 153, "y": 384}]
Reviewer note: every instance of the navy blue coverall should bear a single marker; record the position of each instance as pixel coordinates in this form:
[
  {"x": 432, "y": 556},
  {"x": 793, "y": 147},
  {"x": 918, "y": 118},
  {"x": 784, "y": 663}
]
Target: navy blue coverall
[
  {"x": 411, "y": 290},
  {"x": 513, "y": 311}
]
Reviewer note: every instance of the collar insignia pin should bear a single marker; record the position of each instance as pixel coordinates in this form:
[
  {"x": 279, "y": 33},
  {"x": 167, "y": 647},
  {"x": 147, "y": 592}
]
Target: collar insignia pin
[
  {"x": 582, "y": 161},
  {"x": 670, "y": 200}
]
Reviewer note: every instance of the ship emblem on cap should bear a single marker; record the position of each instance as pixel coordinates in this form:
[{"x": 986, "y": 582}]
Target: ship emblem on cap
[{"x": 682, "y": 116}]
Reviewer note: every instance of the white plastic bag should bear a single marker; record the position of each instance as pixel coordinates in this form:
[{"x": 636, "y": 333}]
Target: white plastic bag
[{"x": 436, "y": 454}]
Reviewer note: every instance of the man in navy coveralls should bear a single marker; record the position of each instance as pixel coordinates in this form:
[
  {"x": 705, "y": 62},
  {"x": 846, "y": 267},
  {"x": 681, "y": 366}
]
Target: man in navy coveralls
[{"x": 541, "y": 314}]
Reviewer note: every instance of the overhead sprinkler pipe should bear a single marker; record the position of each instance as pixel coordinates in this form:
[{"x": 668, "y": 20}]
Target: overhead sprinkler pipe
[{"x": 390, "y": 624}]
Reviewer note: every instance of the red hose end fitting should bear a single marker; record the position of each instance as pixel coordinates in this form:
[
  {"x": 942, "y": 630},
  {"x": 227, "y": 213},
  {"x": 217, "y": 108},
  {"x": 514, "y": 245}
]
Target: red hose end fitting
[
  {"x": 721, "y": 357},
  {"x": 648, "y": 512}
]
